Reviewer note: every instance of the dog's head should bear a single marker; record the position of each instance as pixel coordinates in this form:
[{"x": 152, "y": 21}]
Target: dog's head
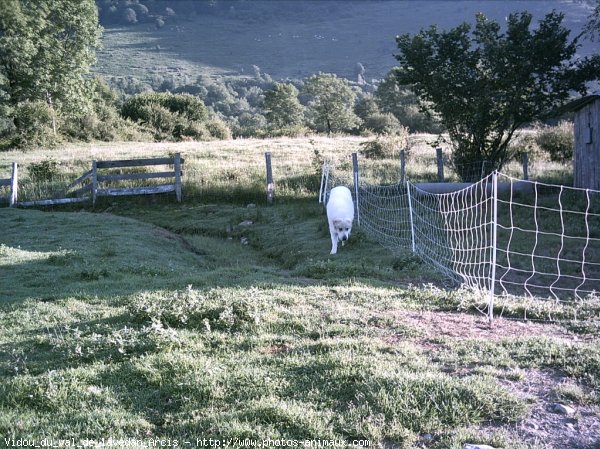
[{"x": 342, "y": 228}]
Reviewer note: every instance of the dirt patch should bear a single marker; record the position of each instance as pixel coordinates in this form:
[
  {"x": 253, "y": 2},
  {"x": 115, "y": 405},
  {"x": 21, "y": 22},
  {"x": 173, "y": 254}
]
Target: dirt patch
[
  {"x": 542, "y": 426},
  {"x": 545, "y": 426},
  {"x": 466, "y": 326}
]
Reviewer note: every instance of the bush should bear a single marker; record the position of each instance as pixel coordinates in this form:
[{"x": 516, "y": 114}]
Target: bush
[
  {"x": 557, "y": 141},
  {"x": 385, "y": 147},
  {"x": 34, "y": 124},
  {"x": 44, "y": 171},
  {"x": 174, "y": 116},
  {"x": 183, "y": 104},
  {"x": 218, "y": 129},
  {"x": 384, "y": 123}
]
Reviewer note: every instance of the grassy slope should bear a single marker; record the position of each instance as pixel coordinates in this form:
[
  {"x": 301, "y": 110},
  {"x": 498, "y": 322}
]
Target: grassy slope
[
  {"x": 119, "y": 328},
  {"x": 297, "y": 41},
  {"x": 144, "y": 318}
]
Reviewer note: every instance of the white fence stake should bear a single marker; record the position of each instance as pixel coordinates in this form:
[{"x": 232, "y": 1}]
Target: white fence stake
[
  {"x": 355, "y": 177},
  {"x": 324, "y": 177},
  {"x": 410, "y": 211},
  {"x": 494, "y": 230},
  {"x": 14, "y": 186}
]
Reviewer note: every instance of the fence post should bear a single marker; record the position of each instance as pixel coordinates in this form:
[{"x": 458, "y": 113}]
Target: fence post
[
  {"x": 494, "y": 230},
  {"x": 440, "y": 164},
  {"x": 270, "y": 184},
  {"x": 355, "y": 180},
  {"x": 525, "y": 160},
  {"x": 177, "y": 166},
  {"x": 324, "y": 179},
  {"x": 94, "y": 182},
  {"x": 410, "y": 211},
  {"x": 14, "y": 186},
  {"x": 402, "y": 166}
]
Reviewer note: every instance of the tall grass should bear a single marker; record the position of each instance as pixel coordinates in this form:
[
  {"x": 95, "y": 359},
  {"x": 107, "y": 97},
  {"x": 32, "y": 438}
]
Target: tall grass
[{"x": 235, "y": 170}]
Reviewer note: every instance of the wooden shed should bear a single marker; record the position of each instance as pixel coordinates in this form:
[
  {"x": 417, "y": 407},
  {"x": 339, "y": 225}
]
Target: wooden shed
[{"x": 586, "y": 156}]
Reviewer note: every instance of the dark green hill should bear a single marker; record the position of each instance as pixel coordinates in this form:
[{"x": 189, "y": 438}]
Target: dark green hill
[{"x": 287, "y": 38}]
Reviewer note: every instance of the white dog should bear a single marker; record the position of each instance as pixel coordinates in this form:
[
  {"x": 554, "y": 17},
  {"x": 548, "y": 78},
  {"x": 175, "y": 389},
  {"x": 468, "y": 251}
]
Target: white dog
[{"x": 340, "y": 213}]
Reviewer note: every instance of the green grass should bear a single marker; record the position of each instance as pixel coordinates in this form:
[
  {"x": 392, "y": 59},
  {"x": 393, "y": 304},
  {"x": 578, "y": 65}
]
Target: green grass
[
  {"x": 169, "y": 327},
  {"x": 144, "y": 318}
]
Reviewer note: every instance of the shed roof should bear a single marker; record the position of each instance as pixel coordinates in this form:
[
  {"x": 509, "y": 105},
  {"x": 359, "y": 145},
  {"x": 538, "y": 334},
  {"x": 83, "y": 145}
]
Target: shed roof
[{"x": 576, "y": 105}]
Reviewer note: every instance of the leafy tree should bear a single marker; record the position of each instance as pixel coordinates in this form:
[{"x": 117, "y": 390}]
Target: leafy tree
[
  {"x": 46, "y": 48},
  {"x": 332, "y": 102},
  {"x": 366, "y": 107},
  {"x": 487, "y": 84},
  {"x": 402, "y": 102},
  {"x": 592, "y": 28},
  {"x": 282, "y": 107}
]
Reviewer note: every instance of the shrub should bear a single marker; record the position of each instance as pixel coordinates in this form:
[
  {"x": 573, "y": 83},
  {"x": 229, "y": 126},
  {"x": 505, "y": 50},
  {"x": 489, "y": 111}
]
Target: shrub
[
  {"x": 174, "y": 116},
  {"x": 557, "y": 141},
  {"x": 34, "y": 123},
  {"x": 184, "y": 104},
  {"x": 43, "y": 171},
  {"x": 218, "y": 129},
  {"x": 384, "y": 123},
  {"x": 384, "y": 147}
]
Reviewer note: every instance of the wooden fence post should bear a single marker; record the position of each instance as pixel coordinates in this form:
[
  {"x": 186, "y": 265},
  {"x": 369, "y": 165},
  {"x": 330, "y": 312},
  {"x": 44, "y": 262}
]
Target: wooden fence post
[
  {"x": 178, "y": 176},
  {"x": 440, "y": 164},
  {"x": 14, "y": 186},
  {"x": 525, "y": 160},
  {"x": 94, "y": 182},
  {"x": 270, "y": 184},
  {"x": 402, "y": 166}
]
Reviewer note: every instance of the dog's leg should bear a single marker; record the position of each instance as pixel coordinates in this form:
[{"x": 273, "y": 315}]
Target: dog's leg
[{"x": 334, "y": 242}]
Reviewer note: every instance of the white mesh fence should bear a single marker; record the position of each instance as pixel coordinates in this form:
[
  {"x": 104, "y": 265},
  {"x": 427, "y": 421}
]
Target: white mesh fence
[
  {"x": 500, "y": 235},
  {"x": 454, "y": 232},
  {"x": 548, "y": 240}
]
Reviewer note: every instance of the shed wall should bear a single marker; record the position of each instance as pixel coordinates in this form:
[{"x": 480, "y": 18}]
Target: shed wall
[{"x": 586, "y": 159}]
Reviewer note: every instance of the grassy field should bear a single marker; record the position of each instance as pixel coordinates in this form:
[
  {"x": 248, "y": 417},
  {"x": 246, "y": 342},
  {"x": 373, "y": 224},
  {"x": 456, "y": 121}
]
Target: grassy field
[
  {"x": 224, "y": 318},
  {"x": 297, "y": 39}
]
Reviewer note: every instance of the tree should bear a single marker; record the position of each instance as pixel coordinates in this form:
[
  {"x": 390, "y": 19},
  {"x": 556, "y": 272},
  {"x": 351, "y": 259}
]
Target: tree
[
  {"x": 487, "y": 84},
  {"x": 46, "y": 49},
  {"x": 592, "y": 28},
  {"x": 402, "y": 102},
  {"x": 281, "y": 106},
  {"x": 332, "y": 102}
]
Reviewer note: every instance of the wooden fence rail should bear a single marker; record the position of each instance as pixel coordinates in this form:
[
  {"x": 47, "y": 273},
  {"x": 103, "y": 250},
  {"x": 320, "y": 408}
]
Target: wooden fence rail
[{"x": 92, "y": 184}]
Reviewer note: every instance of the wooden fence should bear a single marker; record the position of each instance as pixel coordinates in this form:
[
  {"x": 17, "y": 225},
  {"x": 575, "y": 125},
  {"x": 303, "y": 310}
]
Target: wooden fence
[
  {"x": 96, "y": 182},
  {"x": 12, "y": 183}
]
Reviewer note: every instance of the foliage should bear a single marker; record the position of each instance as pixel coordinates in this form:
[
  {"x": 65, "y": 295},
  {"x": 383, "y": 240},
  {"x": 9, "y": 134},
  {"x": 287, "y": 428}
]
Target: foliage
[
  {"x": 34, "y": 122},
  {"x": 557, "y": 141},
  {"x": 404, "y": 104},
  {"x": 383, "y": 123},
  {"x": 487, "y": 84},
  {"x": 46, "y": 48},
  {"x": 332, "y": 103},
  {"x": 103, "y": 121},
  {"x": 384, "y": 147},
  {"x": 282, "y": 107},
  {"x": 592, "y": 28},
  {"x": 43, "y": 171},
  {"x": 171, "y": 116}
]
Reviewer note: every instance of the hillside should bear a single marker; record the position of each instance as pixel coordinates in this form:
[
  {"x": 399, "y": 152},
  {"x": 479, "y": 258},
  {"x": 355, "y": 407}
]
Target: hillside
[{"x": 296, "y": 39}]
